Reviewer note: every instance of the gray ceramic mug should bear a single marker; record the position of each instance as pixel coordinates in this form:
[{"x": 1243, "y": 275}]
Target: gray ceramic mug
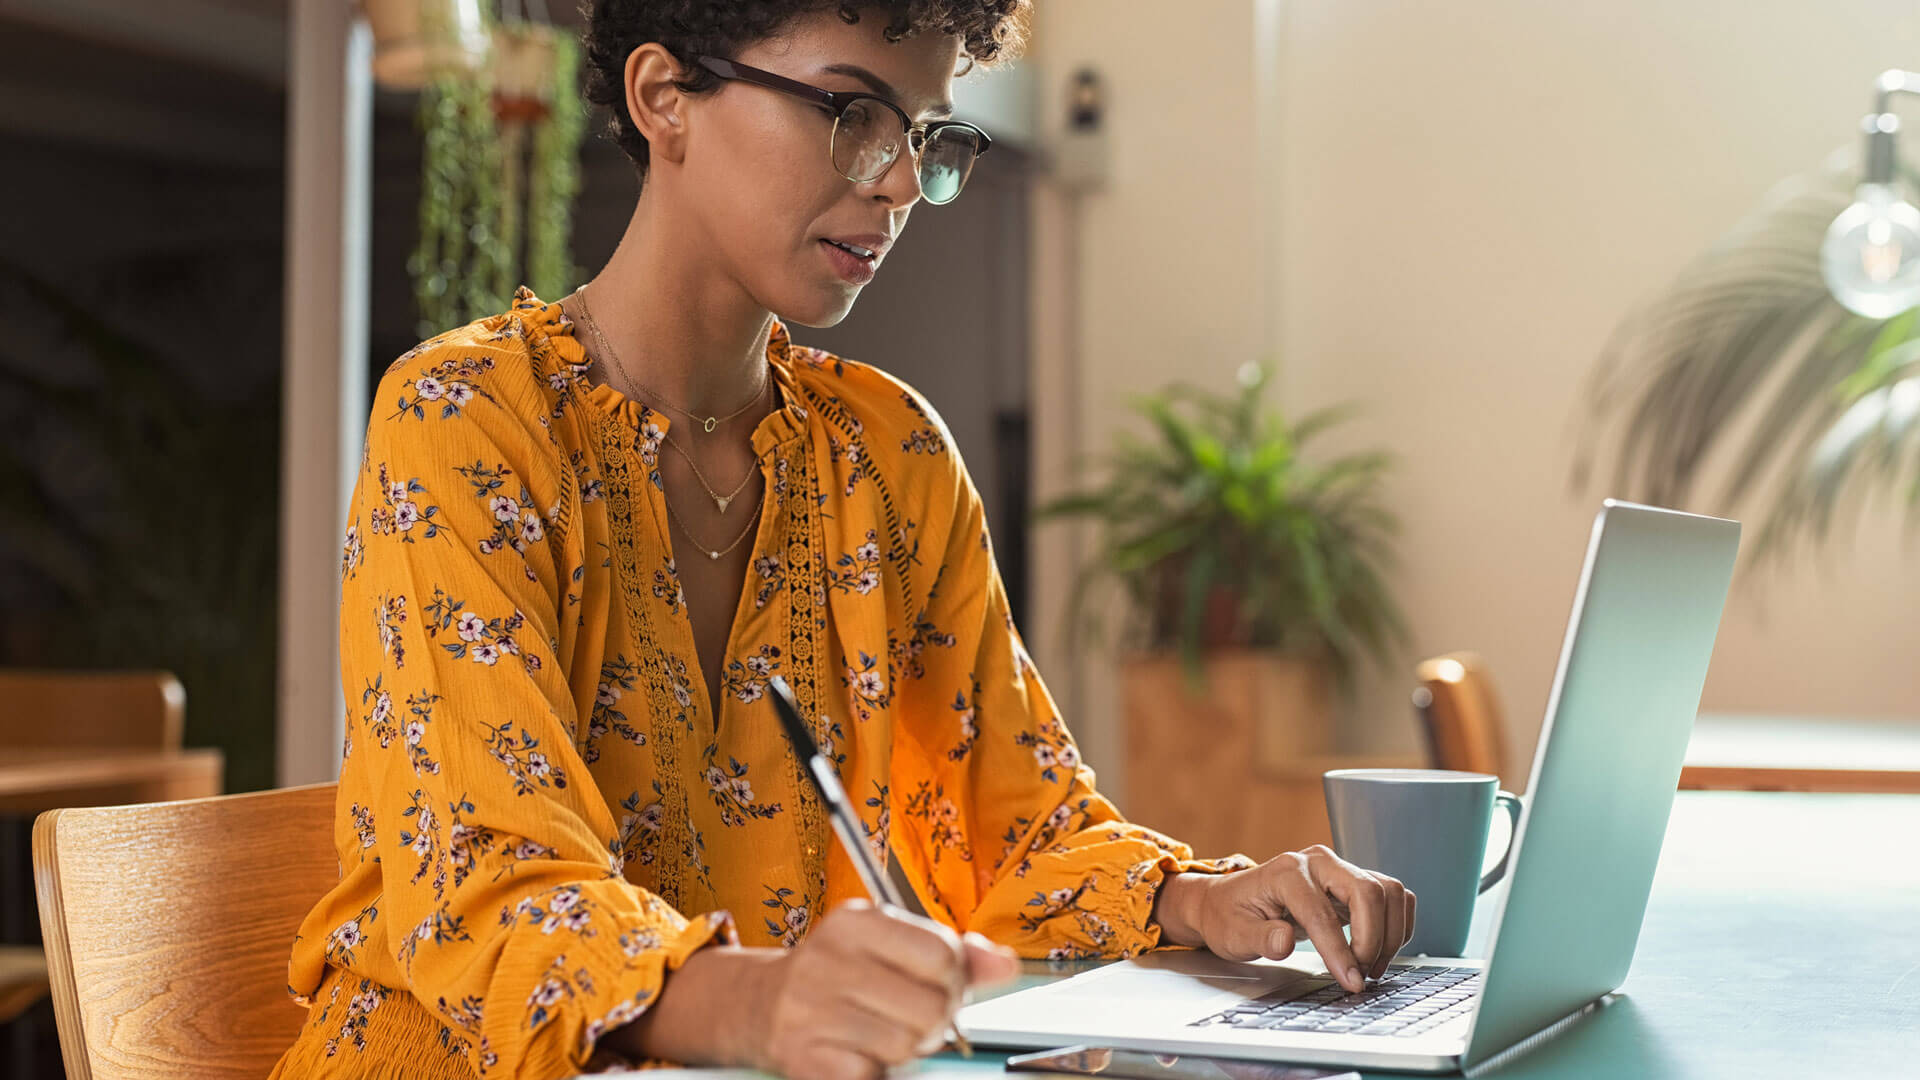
[{"x": 1427, "y": 827}]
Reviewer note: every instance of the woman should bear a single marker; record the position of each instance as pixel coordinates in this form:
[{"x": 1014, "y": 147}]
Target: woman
[{"x": 588, "y": 531}]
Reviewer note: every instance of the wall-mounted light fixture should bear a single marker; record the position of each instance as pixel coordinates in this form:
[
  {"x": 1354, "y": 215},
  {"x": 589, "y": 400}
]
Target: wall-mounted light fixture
[
  {"x": 1080, "y": 157},
  {"x": 1871, "y": 256}
]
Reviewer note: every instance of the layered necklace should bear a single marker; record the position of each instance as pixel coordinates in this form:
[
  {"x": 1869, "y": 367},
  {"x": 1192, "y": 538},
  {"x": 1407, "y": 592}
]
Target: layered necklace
[{"x": 706, "y": 424}]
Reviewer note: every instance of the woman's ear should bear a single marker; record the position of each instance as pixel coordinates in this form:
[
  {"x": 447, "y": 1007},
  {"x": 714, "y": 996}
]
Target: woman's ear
[{"x": 654, "y": 100}]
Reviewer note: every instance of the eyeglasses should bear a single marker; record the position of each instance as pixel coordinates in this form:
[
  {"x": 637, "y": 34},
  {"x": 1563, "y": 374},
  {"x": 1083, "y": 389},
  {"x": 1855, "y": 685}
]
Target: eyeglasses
[{"x": 868, "y": 132}]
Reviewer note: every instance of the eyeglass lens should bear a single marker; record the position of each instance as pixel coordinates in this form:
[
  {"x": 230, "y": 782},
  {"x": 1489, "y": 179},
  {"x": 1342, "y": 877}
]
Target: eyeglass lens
[{"x": 868, "y": 137}]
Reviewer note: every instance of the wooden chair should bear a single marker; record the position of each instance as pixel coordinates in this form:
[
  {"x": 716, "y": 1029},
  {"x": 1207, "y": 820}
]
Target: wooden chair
[
  {"x": 23, "y": 979},
  {"x": 120, "y": 710},
  {"x": 83, "y": 710},
  {"x": 168, "y": 927},
  {"x": 1460, "y": 714}
]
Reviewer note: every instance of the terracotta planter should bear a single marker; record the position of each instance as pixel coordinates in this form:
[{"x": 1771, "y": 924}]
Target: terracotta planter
[
  {"x": 1192, "y": 754},
  {"x": 1276, "y": 707},
  {"x": 524, "y": 56},
  {"x": 1219, "y": 619},
  {"x": 415, "y": 39}
]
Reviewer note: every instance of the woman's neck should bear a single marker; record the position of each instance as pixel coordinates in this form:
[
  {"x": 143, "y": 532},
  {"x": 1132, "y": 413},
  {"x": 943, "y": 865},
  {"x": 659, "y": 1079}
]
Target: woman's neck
[{"x": 689, "y": 336}]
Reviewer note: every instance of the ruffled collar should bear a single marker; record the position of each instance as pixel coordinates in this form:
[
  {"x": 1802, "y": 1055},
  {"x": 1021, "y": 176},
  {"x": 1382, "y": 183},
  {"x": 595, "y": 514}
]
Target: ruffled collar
[{"x": 550, "y": 321}]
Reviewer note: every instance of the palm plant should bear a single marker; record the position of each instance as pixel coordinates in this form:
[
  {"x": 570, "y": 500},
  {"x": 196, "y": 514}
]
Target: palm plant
[
  {"x": 1223, "y": 535},
  {"x": 1747, "y": 339}
]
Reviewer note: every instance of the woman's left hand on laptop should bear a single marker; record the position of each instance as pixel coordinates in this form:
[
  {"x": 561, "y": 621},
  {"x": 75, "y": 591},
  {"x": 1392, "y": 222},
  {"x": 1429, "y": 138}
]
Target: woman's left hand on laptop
[{"x": 1256, "y": 913}]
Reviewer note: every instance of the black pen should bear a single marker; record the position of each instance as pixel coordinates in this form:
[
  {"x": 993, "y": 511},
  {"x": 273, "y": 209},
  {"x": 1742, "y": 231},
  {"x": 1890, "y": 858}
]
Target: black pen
[{"x": 845, "y": 825}]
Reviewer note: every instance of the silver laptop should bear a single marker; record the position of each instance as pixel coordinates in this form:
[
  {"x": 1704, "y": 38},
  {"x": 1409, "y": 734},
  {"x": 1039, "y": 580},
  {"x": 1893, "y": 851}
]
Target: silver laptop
[{"x": 1631, "y": 670}]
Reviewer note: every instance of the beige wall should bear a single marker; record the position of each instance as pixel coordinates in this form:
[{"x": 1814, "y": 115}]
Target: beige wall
[
  {"x": 1157, "y": 277},
  {"x": 1440, "y": 210}
]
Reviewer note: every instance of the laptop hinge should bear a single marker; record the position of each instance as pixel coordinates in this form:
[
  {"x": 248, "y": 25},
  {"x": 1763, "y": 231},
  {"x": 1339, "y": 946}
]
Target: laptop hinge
[{"x": 1544, "y": 1035}]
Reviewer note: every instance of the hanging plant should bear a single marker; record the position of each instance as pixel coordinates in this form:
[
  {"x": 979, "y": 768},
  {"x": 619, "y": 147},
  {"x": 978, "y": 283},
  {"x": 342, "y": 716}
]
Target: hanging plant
[
  {"x": 462, "y": 264},
  {"x": 416, "y": 39},
  {"x": 501, "y": 144},
  {"x": 554, "y": 178},
  {"x": 536, "y": 98}
]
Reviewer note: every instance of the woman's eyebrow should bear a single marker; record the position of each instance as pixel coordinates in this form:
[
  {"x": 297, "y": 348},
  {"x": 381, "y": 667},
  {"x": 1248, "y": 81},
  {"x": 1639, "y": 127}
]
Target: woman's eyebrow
[{"x": 879, "y": 85}]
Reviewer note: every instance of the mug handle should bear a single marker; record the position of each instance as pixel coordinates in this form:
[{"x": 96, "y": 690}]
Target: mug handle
[{"x": 1511, "y": 803}]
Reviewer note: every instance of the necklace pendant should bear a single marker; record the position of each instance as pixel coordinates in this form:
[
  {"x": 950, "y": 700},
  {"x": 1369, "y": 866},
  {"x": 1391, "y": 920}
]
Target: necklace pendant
[
  {"x": 709, "y": 425},
  {"x": 713, "y": 554},
  {"x": 721, "y": 501}
]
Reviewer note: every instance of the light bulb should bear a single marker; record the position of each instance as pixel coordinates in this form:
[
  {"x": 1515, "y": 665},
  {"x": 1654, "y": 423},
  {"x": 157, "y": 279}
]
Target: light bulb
[{"x": 1871, "y": 257}]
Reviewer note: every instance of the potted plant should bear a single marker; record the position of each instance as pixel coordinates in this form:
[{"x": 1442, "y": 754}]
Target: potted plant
[
  {"x": 541, "y": 121},
  {"x": 1253, "y": 575},
  {"x": 414, "y": 39},
  {"x": 500, "y": 121},
  {"x": 461, "y": 266}
]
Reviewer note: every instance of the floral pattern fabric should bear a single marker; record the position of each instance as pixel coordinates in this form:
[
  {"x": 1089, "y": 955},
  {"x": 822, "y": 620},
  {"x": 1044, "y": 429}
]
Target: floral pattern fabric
[{"x": 541, "y": 815}]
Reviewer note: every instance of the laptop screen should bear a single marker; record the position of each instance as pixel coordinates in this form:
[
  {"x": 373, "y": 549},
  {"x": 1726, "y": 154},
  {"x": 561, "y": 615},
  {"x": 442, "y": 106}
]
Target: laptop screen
[{"x": 1632, "y": 667}]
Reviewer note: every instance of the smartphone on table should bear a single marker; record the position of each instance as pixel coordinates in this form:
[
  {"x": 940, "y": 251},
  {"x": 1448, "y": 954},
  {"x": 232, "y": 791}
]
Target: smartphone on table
[{"x": 1146, "y": 1065}]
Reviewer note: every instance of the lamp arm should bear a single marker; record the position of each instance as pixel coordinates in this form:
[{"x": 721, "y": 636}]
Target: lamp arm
[
  {"x": 1893, "y": 81},
  {"x": 1870, "y": 258},
  {"x": 1880, "y": 126}
]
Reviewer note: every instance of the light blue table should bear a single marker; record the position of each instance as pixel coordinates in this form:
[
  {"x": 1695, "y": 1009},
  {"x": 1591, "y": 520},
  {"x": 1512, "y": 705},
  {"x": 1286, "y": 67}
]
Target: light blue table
[{"x": 1782, "y": 939}]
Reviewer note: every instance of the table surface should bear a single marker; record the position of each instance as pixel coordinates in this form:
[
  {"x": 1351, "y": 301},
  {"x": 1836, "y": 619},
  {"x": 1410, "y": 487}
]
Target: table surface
[
  {"x": 36, "y": 779},
  {"x": 1780, "y": 940},
  {"x": 30, "y": 770},
  {"x": 1729, "y": 740}
]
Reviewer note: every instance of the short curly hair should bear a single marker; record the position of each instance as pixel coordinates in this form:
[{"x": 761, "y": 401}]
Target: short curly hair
[{"x": 989, "y": 31}]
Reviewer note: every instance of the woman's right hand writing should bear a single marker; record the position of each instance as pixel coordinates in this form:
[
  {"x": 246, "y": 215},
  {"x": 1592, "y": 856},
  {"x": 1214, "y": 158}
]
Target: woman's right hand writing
[{"x": 866, "y": 989}]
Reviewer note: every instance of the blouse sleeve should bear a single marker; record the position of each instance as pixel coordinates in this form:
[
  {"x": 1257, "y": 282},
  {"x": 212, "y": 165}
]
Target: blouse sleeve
[
  {"x": 503, "y": 902},
  {"x": 1004, "y": 831}
]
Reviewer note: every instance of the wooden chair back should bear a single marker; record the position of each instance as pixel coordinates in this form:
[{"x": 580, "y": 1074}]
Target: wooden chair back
[
  {"x": 23, "y": 979},
  {"x": 120, "y": 710},
  {"x": 168, "y": 927},
  {"x": 1460, "y": 714}
]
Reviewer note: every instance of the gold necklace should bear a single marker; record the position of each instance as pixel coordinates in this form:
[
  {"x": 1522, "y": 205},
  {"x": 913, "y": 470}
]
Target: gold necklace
[
  {"x": 711, "y": 553},
  {"x": 707, "y": 423},
  {"x": 719, "y": 500}
]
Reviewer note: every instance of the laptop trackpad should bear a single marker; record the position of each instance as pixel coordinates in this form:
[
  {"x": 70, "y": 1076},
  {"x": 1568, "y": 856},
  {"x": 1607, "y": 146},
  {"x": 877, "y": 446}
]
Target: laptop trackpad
[{"x": 1174, "y": 980}]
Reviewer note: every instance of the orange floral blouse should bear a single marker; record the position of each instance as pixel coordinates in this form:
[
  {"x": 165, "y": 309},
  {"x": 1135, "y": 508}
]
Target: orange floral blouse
[{"x": 540, "y": 812}]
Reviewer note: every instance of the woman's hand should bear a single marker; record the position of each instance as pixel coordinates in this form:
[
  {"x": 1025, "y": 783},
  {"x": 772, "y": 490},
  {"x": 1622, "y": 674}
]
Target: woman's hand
[
  {"x": 1260, "y": 912},
  {"x": 867, "y": 988}
]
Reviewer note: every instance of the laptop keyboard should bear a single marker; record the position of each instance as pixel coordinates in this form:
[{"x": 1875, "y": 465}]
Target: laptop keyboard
[{"x": 1406, "y": 1001}]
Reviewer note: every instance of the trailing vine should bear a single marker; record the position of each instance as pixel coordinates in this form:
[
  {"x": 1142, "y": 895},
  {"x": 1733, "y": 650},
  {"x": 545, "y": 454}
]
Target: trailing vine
[
  {"x": 468, "y": 255},
  {"x": 460, "y": 267},
  {"x": 554, "y": 178}
]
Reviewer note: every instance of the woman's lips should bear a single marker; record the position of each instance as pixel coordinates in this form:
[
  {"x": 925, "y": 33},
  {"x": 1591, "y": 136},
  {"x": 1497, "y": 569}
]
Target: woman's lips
[{"x": 852, "y": 269}]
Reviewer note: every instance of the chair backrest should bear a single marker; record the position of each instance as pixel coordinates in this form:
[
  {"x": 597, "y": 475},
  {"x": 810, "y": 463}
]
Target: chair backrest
[
  {"x": 168, "y": 927},
  {"x": 130, "y": 710},
  {"x": 1460, "y": 714}
]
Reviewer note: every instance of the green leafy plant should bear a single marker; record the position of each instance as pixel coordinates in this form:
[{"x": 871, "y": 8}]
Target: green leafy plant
[
  {"x": 1223, "y": 535},
  {"x": 1747, "y": 351},
  {"x": 554, "y": 179},
  {"x": 462, "y": 264},
  {"x": 483, "y": 175}
]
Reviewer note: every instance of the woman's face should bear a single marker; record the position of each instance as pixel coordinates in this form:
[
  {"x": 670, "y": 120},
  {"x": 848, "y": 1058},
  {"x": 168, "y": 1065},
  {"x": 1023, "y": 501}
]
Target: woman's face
[{"x": 759, "y": 175}]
